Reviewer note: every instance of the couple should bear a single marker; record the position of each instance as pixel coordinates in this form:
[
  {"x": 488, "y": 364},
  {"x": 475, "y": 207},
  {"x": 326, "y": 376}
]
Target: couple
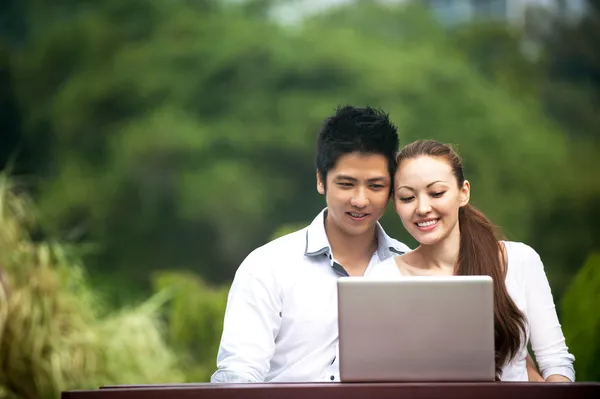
[{"x": 281, "y": 318}]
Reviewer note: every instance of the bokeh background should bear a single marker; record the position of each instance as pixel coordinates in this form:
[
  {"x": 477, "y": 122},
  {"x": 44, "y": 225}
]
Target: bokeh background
[{"x": 148, "y": 146}]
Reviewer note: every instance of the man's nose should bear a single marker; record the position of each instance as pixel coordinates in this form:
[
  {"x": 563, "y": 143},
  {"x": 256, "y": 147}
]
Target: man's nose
[{"x": 359, "y": 199}]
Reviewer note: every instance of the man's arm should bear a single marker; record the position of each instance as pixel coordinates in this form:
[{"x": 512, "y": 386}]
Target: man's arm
[{"x": 251, "y": 324}]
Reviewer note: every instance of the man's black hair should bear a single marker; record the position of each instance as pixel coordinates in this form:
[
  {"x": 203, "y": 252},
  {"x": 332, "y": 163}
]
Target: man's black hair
[{"x": 353, "y": 129}]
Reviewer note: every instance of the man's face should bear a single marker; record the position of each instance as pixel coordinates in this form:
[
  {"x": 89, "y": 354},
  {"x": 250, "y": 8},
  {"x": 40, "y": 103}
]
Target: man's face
[{"x": 357, "y": 193}]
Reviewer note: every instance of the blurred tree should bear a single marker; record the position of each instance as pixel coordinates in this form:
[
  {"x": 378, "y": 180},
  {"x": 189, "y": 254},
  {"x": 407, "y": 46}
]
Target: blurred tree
[
  {"x": 570, "y": 92},
  {"x": 9, "y": 111},
  {"x": 13, "y": 20},
  {"x": 173, "y": 150},
  {"x": 163, "y": 142},
  {"x": 497, "y": 50},
  {"x": 572, "y": 58},
  {"x": 568, "y": 230},
  {"x": 551, "y": 64}
]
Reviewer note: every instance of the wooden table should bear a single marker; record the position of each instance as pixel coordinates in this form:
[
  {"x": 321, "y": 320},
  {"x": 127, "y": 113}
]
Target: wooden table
[{"x": 493, "y": 390}]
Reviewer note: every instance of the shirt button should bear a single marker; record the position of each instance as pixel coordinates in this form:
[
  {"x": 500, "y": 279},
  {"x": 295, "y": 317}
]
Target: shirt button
[{"x": 332, "y": 378}]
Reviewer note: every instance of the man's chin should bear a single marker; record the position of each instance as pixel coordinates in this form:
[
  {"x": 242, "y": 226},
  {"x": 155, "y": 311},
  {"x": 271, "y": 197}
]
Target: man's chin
[{"x": 357, "y": 231}]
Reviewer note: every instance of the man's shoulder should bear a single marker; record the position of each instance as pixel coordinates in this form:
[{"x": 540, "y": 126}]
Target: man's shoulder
[
  {"x": 399, "y": 248},
  {"x": 294, "y": 242},
  {"x": 278, "y": 251},
  {"x": 394, "y": 246}
]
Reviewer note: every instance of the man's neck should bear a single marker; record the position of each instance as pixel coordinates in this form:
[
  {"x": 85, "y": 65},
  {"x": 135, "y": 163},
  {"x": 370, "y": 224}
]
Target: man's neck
[{"x": 353, "y": 252}]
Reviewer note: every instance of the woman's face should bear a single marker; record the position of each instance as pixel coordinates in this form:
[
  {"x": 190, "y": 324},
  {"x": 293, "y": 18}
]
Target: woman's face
[{"x": 427, "y": 198}]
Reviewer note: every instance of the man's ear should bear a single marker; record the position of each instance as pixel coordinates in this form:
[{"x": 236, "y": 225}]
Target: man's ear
[
  {"x": 320, "y": 184},
  {"x": 465, "y": 193}
]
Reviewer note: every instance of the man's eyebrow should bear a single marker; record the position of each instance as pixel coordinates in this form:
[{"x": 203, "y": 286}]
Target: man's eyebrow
[
  {"x": 345, "y": 177},
  {"x": 353, "y": 179},
  {"x": 380, "y": 178}
]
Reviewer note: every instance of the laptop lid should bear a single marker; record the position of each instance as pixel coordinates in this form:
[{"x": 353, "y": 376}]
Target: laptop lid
[{"x": 416, "y": 329}]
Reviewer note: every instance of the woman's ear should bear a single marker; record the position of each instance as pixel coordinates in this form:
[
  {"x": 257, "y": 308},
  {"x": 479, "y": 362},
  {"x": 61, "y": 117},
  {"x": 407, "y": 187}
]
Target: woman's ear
[{"x": 465, "y": 193}]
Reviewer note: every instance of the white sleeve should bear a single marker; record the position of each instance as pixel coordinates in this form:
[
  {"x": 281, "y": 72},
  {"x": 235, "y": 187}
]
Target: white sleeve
[
  {"x": 547, "y": 339},
  {"x": 251, "y": 324}
]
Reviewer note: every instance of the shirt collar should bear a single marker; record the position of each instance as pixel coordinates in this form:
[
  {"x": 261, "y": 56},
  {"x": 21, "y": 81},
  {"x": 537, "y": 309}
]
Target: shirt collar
[{"x": 317, "y": 242}]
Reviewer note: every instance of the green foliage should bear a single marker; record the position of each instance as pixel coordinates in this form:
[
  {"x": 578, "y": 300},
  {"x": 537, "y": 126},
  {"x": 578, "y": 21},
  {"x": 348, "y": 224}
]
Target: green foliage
[
  {"x": 581, "y": 319},
  {"x": 496, "y": 50},
  {"x": 54, "y": 334},
  {"x": 567, "y": 231},
  {"x": 571, "y": 90},
  {"x": 214, "y": 144},
  {"x": 287, "y": 229},
  {"x": 555, "y": 78},
  {"x": 195, "y": 319}
]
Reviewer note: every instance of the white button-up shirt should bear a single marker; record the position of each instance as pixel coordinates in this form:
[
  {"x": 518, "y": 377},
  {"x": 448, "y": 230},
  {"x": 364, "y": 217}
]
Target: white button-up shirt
[{"x": 281, "y": 318}]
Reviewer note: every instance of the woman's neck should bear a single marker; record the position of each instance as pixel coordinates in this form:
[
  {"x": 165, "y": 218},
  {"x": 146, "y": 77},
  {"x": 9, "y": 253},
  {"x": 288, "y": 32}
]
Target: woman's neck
[{"x": 442, "y": 255}]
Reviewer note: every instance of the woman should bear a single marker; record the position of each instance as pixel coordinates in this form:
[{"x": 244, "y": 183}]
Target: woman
[{"x": 431, "y": 196}]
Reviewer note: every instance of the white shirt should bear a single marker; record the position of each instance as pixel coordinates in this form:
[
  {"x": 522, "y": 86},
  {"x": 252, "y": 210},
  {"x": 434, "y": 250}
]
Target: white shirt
[
  {"x": 281, "y": 317},
  {"x": 528, "y": 287}
]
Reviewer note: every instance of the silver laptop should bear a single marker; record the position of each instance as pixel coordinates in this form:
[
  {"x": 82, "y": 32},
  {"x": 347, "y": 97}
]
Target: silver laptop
[{"x": 416, "y": 329}]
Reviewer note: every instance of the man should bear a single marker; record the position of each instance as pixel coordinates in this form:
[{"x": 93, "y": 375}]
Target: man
[{"x": 281, "y": 317}]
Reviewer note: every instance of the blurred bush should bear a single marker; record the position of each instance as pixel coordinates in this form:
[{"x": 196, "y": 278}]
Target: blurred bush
[
  {"x": 195, "y": 321},
  {"x": 54, "y": 333},
  {"x": 581, "y": 319}
]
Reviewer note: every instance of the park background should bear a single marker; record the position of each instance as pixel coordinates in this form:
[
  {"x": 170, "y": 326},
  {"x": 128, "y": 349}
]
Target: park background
[{"x": 148, "y": 146}]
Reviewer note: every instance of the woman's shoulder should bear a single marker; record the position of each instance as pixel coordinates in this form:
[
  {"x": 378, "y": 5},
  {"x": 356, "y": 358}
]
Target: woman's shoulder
[
  {"x": 387, "y": 267},
  {"x": 519, "y": 250},
  {"x": 521, "y": 259}
]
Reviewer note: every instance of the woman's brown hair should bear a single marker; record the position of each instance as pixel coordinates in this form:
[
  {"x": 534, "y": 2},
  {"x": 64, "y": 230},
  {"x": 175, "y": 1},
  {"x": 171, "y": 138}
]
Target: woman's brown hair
[{"x": 480, "y": 253}]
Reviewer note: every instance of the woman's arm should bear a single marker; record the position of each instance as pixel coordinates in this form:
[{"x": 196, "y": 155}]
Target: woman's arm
[
  {"x": 547, "y": 339},
  {"x": 557, "y": 378},
  {"x": 532, "y": 371}
]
